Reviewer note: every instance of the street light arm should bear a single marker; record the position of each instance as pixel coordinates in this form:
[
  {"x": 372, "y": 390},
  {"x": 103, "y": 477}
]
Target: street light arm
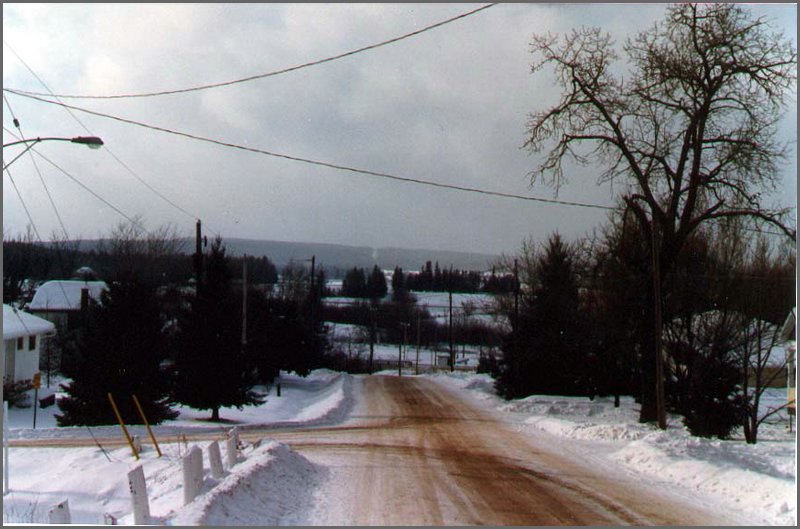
[
  {"x": 93, "y": 142},
  {"x": 90, "y": 141}
]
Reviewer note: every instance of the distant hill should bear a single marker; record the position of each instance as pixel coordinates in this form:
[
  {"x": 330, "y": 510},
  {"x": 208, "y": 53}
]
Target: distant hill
[{"x": 341, "y": 256}]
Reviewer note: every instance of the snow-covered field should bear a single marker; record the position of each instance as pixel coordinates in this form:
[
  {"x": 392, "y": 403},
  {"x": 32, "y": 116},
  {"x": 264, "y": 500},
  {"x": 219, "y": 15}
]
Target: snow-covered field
[{"x": 757, "y": 480}]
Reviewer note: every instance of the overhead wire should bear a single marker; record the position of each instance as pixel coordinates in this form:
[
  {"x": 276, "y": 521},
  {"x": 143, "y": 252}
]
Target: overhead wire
[
  {"x": 276, "y": 72},
  {"x": 84, "y": 186},
  {"x": 38, "y": 171},
  {"x": 319, "y": 163},
  {"x": 107, "y": 147}
]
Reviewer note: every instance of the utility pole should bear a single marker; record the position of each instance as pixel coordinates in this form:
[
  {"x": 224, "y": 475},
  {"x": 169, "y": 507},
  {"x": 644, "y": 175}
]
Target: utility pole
[
  {"x": 515, "y": 326},
  {"x": 313, "y": 294},
  {"x": 244, "y": 300},
  {"x": 371, "y": 337},
  {"x": 418, "y": 340},
  {"x": 198, "y": 257},
  {"x": 660, "y": 411},
  {"x": 450, "y": 297}
]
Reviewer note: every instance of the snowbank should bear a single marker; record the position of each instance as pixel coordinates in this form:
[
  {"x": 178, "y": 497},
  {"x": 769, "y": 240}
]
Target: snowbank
[{"x": 272, "y": 486}]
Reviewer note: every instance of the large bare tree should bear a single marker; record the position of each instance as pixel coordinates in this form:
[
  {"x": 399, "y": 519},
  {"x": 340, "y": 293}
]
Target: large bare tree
[{"x": 689, "y": 127}]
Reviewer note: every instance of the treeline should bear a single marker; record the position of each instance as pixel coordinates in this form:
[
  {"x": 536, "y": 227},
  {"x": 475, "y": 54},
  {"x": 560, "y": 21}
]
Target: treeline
[
  {"x": 579, "y": 323},
  {"x": 185, "y": 344},
  {"x": 431, "y": 278},
  {"x": 160, "y": 255}
]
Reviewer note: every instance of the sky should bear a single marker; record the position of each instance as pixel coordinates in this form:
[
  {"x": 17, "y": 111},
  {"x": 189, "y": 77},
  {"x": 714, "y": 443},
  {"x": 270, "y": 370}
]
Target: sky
[{"x": 449, "y": 105}]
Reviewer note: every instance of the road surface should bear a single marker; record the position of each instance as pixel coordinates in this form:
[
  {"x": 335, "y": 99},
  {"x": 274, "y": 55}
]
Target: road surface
[{"x": 416, "y": 453}]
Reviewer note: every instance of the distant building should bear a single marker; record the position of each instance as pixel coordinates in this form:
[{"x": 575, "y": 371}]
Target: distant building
[
  {"x": 23, "y": 334},
  {"x": 61, "y": 301}
]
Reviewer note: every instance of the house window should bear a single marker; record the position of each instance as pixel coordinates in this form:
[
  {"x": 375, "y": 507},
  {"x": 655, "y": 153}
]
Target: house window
[
  {"x": 20, "y": 343},
  {"x": 31, "y": 343}
]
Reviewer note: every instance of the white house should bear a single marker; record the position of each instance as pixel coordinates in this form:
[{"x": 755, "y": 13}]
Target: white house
[
  {"x": 22, "y": 338},
  {"x": 60, "y": 301}
]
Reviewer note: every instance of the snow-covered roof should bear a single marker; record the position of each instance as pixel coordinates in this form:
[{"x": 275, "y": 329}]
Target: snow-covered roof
[
  {"x": 64, "y": 295},
  {"x": 17, "y": 323}
]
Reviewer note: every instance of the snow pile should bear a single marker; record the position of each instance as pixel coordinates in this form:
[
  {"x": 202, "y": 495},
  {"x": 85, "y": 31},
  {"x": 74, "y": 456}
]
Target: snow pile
[
  {"x": 756, "y": 479},
  {"x": 271, "y": 487},
  {"x": 94, "y": 480}
]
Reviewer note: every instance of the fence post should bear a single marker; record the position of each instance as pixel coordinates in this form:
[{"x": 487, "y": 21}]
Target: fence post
[
  {"x": 192, "y": 474},
  {"x": 232, "y": 446},
  {"x": 59, "y": 514},
  {"x": 139, "y": 501},
  {"x": 215, "y": 460},
  {"x": 6, "y": 485}
]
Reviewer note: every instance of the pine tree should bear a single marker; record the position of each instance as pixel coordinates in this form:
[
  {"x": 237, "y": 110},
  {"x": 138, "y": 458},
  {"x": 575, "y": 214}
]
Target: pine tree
[
  {"x": 376, "y": 284},
  {"x": 119, "y": 351},
  {"x": 211, "y": 366}
]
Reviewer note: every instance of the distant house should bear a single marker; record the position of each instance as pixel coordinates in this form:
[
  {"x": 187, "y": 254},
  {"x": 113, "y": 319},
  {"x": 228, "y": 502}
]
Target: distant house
[
  {"x": 61, "y": 301},
  {"x": 23, "y": 334}
]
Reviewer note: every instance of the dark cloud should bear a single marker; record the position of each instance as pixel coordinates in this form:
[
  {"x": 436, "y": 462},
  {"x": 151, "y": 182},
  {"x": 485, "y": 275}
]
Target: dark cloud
[{"x": 449, "y": 105}]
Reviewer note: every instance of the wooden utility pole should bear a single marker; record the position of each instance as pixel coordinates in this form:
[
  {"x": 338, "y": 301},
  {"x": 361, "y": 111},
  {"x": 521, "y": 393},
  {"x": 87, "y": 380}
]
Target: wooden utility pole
[
  {"x": 660, "y": 410},
  {"x": 313, "y": 294},
  {"x": 371, "y": 337},
  {"x": 244, "y": 300},
  {"x": 418, "y": 340},
  {"x": 450, "y": 297},
  {"x": 198, "y": 256}
]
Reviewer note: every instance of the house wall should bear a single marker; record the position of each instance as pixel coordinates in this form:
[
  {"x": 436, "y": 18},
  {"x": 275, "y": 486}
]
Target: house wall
[{"x": 20, "y": 364}]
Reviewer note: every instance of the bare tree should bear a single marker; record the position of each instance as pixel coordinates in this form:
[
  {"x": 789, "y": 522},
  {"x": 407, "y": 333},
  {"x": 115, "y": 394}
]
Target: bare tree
[{"x": 691, "y": 129}]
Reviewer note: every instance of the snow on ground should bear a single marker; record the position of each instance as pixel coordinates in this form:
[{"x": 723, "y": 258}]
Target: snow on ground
[
  {"x": 755, "y": 480},
  {"x": 94, "y": 480},
  {"x": 274, "y": 485}
]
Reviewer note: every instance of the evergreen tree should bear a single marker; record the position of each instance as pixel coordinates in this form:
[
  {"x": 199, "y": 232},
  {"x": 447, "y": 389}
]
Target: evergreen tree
[
  {"x": 544, "y": 352},
  {"x": 354, "y": 284},
  {"x": 119, "y": 351},
  {"x": 376, "y": 284},
  {"x": 211, "y": 367}
]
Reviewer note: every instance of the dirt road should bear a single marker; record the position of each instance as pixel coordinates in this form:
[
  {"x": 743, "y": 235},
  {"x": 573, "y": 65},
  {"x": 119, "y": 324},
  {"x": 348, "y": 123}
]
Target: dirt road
[{"x": 417, "y": 454}]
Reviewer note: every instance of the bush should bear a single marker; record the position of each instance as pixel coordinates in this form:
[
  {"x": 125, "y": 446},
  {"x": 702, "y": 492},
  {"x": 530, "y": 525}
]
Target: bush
[{"x": 16, "y": 393}]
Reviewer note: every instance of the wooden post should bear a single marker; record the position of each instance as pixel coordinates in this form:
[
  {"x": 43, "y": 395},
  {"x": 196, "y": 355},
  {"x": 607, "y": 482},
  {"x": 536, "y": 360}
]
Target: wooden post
[
  {"x": 660, "y": 410},
  {"x": 122, "y": 425},
  {"x": 146, "y": 424}
]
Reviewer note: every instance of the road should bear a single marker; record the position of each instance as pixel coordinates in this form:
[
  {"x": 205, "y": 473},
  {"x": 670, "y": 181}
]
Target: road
[{"x": 415, "y": 453}]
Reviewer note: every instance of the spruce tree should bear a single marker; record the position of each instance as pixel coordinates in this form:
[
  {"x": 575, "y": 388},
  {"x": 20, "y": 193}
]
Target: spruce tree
[
  {"x": 376, "y": 284},
  {"x": 119, "y": 351},
  {"x": 211, "y": 367}
]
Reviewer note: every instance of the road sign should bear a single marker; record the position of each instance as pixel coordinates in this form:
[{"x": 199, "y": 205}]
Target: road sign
[{"x": 37, "y": 380}]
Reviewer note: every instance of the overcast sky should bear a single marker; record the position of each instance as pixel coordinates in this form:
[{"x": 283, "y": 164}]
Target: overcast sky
[{"x": 449, "y": 105}]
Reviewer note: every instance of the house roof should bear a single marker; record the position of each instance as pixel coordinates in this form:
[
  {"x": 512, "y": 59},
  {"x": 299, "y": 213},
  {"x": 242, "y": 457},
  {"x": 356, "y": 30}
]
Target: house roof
[
  {"x": 788, "y": 329},
  {"x": 17, "y": 323},
  {"x": 64, "y": 295}
]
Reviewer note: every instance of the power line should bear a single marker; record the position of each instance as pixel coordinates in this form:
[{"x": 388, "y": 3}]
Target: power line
[
  {"x": 273, "y": 73},
  {"x": 84, "y": 186},
  {"x": 22, "y": 200},
  {"x": 316, "y": 162},
  {"x": 107, "y": 148},
  {"x": 38, "y": 171}
]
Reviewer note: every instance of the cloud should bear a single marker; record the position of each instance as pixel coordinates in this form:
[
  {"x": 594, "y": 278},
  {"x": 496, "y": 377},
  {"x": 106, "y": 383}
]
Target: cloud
[{"x": 449, "y": 105}]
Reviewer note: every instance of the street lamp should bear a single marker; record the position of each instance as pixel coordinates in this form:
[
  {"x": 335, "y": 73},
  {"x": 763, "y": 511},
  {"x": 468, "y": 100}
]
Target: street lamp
[{"x": 93, "y": 142}]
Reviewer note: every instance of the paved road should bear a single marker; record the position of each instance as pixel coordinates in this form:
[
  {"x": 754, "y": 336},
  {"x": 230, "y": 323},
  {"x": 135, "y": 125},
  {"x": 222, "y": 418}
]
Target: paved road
[{"x": 415, "y": 453}]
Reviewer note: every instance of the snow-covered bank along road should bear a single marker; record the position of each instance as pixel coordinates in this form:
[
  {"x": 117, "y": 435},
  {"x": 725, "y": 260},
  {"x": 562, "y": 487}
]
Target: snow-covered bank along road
[{"x": 416, "y": 453}]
